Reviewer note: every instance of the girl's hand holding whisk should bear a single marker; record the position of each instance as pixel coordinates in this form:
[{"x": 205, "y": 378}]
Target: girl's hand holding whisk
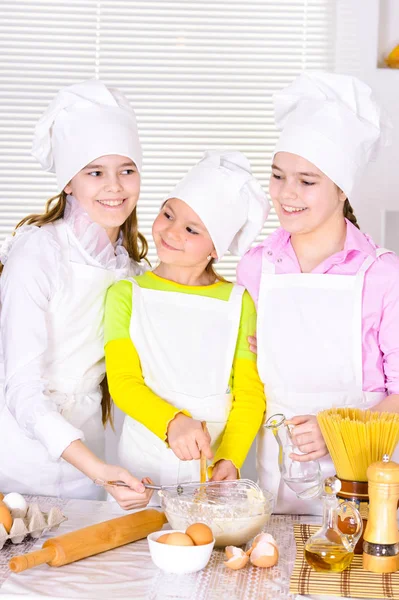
[
  {"x": 307, "y": 436},
  {"x": 129, "y": 498}
]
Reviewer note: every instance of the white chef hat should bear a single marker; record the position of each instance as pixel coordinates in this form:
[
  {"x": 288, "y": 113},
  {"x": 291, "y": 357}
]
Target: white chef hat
[
  {"x": 228, "y": 199},
  {"x": 83, "y": 122},
  {"x": 334, "y": 122}
]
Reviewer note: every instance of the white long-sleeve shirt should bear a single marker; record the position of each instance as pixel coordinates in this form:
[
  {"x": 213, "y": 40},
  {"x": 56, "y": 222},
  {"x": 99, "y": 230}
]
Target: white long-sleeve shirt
[{"x": 32, "y": 274}]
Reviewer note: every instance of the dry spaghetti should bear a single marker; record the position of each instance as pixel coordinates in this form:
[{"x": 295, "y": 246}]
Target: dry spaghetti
[{"x": 356, "y": 438}]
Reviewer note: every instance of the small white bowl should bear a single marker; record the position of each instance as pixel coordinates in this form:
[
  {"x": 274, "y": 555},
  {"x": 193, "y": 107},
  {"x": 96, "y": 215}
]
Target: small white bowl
[{"x": 178, "y": 559}]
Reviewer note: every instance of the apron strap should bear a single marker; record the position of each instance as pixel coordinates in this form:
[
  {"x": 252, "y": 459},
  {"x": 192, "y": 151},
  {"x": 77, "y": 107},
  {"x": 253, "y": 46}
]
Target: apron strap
[
  {"x": 236, "y": 295},
  {"x": 357, "y": 323},
  {"x": 380, "y": 251},
  {"x": 371, "y": 259},
  {"x": 235, "y": 308}
]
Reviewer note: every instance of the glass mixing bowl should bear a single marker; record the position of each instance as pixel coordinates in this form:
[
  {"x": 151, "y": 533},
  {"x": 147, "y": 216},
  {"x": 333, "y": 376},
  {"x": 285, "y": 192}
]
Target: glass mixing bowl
[{"x": 236, "y": 511}]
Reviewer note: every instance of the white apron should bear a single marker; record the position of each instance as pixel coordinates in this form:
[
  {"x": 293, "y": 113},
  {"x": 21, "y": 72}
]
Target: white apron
[
  {"x": 309, "y": 358},
  {"x": 74, "y": 371},
  {"x": 186, "y": 345}
]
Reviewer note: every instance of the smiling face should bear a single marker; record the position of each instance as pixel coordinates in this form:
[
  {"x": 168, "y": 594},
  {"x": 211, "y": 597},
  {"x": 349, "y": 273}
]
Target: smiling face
[
  {"x": 180, "y": 237},
  {"x": 304, "y": 198},
  {"x": 107, "y": 189}
]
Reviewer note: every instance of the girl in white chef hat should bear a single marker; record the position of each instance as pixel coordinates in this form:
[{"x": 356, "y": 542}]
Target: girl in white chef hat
[
  {"x": 176, "y": 347},
  {"x": 57, "y": 268},
  {"x": 328, "y": 297}
]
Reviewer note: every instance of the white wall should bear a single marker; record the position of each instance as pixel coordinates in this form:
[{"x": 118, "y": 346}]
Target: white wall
[{"x": 366, "y": 31}]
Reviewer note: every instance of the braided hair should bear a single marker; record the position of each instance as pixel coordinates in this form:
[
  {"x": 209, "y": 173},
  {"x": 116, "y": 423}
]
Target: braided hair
[{"x": 349, "y": 214}]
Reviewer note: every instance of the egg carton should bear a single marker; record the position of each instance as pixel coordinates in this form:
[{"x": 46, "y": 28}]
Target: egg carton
[{"x": 35, "y": 523}]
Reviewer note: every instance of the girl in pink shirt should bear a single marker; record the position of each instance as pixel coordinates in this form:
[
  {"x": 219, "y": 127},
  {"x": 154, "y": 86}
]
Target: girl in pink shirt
[{"x": 327, "y": 296}]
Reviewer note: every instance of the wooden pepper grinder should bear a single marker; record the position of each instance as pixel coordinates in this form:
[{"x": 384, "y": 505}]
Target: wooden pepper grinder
[{"x": 381, "y": 537}]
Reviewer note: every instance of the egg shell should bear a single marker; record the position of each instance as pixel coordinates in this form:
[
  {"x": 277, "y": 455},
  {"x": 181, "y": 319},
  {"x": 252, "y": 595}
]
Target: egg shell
[
  {"x": 16, "y": 503},
  {"x": 5, "y": 516},
  {"x": 179, "y": 539},
  {"x": 265, "y": 554},
  {"x": 261, "y": 537},
  {"x": 1, "y": 496},
  {"x": 200, "y": 533},
  {"x": 162, "y": 539},
  {"x": 237, "y": 558}
]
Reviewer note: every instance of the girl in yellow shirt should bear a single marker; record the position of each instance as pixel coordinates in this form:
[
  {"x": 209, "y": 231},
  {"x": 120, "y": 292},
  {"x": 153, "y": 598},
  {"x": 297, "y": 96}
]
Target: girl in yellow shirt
[{"x": 176, "y": 338}]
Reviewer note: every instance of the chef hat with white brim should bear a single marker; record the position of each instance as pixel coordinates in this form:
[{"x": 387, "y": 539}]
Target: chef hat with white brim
[
  {"x": 228, "y": 199},
  {"x": 83, "y": 122},
  {"x": 334, "y": 122}
]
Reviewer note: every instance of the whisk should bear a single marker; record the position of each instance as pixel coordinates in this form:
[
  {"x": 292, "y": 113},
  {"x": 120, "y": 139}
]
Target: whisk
[
  {"x": 149, "y": 486},
  {"x": 212, "y": 492},
  {"x": 177, "y": 487}
]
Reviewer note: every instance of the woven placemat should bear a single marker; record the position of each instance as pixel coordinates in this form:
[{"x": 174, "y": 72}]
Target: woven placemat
[{"x": 354, "y": 582}]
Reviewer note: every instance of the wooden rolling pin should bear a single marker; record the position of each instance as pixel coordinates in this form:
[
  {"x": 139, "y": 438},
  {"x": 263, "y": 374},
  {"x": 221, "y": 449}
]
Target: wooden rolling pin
[{"x": 91, "y": 540}]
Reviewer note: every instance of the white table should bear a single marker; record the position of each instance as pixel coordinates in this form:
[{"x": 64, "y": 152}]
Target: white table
[{"x": 128, "y": 572}]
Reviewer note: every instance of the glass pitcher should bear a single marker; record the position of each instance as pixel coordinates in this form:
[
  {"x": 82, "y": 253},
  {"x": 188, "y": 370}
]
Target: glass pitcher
[
  {"x": 303, "y": 478},
  {"x": 330, "y": 549}
]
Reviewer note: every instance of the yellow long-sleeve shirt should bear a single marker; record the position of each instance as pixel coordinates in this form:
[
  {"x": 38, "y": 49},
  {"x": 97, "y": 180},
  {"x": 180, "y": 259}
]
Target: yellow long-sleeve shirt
[{"x": 136, "y": 399}]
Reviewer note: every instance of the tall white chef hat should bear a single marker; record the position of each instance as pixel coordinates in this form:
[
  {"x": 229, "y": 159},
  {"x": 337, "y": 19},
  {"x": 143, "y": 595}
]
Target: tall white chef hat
[
  {"x": 83, "y": 122},
  {"x": 228, "y": 199},
  {"x": 334, "y": 122}
]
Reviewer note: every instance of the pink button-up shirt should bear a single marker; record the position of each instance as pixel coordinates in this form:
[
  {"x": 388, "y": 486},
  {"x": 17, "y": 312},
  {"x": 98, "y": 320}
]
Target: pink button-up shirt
[{"x": 380, "y": 316}]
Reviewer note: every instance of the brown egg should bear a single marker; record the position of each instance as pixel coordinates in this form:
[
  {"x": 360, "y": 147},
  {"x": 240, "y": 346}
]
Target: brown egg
[
  {"x": 179, "y": 539},
  {"x": 5, "y": 516},
  {"x": 1, "y": 496},
  {"x": 162, "y": 539},
  {"x": 200, "y": 533},
  {"x": 237, "y": 558}
]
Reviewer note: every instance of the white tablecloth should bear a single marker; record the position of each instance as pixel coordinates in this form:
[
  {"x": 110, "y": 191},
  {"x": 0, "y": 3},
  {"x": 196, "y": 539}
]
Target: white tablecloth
[{"x": 128, "y": 573}]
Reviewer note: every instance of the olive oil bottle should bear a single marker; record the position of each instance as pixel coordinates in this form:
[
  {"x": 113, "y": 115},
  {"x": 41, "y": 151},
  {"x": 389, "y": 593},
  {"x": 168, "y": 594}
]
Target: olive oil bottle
[{"x": 329, "y": 549}]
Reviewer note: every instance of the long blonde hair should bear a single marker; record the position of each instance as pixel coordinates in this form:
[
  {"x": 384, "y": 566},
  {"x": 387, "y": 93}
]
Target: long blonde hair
[{"x": 134, "y": 242}]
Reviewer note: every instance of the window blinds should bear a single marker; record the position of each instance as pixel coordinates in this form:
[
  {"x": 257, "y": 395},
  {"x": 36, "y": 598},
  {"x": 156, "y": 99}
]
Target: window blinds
[{"x": 199, "y": 73}]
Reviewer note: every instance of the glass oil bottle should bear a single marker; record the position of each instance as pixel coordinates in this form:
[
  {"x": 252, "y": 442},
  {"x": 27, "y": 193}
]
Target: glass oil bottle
[{"x": 329, "y": 549}]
